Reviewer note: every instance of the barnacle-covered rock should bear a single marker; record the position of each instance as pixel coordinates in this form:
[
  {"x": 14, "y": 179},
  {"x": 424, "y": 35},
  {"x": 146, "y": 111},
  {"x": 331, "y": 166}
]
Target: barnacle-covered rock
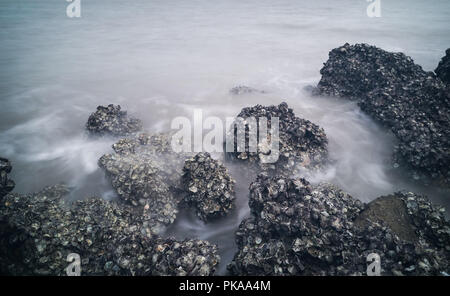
[
  {"x": 391, "y": 211},
  {"x": 280, "y": 202},
  {"x": 39, "y": 231},
  {"x": 242, "y": 89},
  {"x": 419, "y": 224},
  {"x": 139, "y": 182},
  {"x": 145, "y": 172},
  {"x": 301, "y": 143},
  {"x": 112, "y": 121},
  {"x": 6, "y": 184},
  {"x": 413, "y": 103},
  {"x": 158, "y": 148},
  {"x": 427, "y": 220},
  {"x": 208, "y": 186},
  {"x": 299, "y": 229},
  {"x": 189, "y": 257},
  {"x": 443, "y": 69}
]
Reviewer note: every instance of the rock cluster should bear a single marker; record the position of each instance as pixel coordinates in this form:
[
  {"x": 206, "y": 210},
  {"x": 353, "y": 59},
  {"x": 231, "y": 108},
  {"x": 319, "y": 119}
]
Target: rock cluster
[
  {"x": 301, "y": 142},
  {"x": 146, "y": 174},
  {"x": 112, "y": 121},
  {"x": 242, "y": 89},
  {"x": 443, "y": 69},
  {"x": 413, "y": 103},
  {"x": 209, "y": 187},
  {"x": 299, "y": 229},
  {"x": 6, "y": 185},
  {"x": 39, "y": 231}
]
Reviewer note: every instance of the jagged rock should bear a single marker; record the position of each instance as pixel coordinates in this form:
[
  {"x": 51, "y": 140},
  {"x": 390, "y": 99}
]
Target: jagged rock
[
  {"x": 39, "y": 231},
  {"x": 139, "y": 182},
  {"x": 208, "y": 186},
  {"x": 301, "y": 142},
  {"x": 299, "y": 229},
  {"x": 146, "y": 173},
  {"x": 6, "y": 185},
  {"x": 443, "y": 69},
  {"x": 112, "y": 121},
  {"x": 242, "y": 89},
  {"x": 413, "y": 103}
]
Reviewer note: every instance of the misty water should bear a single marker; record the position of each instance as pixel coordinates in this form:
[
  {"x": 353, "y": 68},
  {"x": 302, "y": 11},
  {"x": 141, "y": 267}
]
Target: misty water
[{"x": 163, "y": 59}]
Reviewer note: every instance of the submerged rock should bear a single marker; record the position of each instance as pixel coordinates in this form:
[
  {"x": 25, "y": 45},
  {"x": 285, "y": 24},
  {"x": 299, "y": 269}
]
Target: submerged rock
[
  {"x": 147, "y": 174},
  {"x": 242, "y": 89},
  {"x": 208, "y": 186},
  {"x": 302, "y": 144},
  {"x": 6, "y": 185},
  {"x": 443, "y": 69},
  {"x": 39, "y": 231},
  {"x": 413, "y": 103},
  {"x": 299, "y": 229},
  {"x": 112, "y": 121}
]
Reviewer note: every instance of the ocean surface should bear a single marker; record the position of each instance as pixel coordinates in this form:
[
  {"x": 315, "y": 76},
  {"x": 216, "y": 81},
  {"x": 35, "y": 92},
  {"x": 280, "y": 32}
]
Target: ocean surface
[{"x": 160, "y": 59}]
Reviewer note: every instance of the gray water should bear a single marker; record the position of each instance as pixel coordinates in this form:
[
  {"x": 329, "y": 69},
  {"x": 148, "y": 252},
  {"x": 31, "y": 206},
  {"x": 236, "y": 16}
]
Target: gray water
[{"x": 162, "y": 59}]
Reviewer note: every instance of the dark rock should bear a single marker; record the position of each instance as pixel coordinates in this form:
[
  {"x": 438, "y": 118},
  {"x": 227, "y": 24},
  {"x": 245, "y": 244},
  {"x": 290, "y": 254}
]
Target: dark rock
[
  {"x": 112, "y": 121},
  {"x": 209, "y": 187},
  {"x": 242, "y": 89},
  {"x": 443, "y": 69},
  {"x": 299, "y": 229},
  {"x": 146, "y": 173},
  {"x": 186, "y": 258},
  {"x": 140, "y": 183},
  {"x": 413, "y": 103},
  {"x": 302, "y": 144},
  {"x": 6, "y": 185},
  {"x": 39, "y": 231},
  {"x": 392, "y": 211}
]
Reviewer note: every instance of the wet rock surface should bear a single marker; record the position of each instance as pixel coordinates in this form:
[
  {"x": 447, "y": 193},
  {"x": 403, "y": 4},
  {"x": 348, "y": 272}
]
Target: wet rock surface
[
  {"x": 39, "y": 231},
  {"x": 6, "y": 184},
  {"x": 209, "y": 187},
  {"x": 413, "y": 103},
  {"x": 147, "y": 174},
  {"x": 299, "y": 229},
  {"x": 392, "y": 211},
  {"x": 113, "y": 121},
  {"x": 302, "y": 144},
  {"x": 443, "y": 69},
  {"x": 242, "y": 89}
]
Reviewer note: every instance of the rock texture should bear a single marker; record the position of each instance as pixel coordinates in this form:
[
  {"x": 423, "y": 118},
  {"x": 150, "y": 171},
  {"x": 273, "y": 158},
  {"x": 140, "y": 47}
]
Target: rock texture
[
  {"x": 443, "y": 69},
  {"x": 413, "y": 103},
  {"x": 301, "y": 142},
  {"x": 39, "y": 231},
  {"x": 299, "y": 229},
  {"x": 112, "y": 121},
  {"x": 6, "y": 184},
  {"x": 147, "y": 174},
  {"x": 209, "y": 186}
]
